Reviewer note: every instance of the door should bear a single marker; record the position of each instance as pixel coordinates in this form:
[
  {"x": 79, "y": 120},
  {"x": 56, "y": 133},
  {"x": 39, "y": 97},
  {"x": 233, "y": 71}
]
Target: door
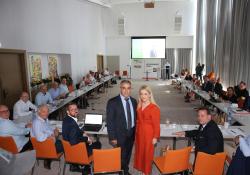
[
  {"x": 113, "y": 63},
  {"x": 99, "y": 62},
  {"x": 12, "y": 77}
]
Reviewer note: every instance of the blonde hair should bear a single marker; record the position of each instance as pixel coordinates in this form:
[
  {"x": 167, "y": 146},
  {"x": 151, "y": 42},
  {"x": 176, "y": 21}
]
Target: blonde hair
[{"x": 148, "y": 89}]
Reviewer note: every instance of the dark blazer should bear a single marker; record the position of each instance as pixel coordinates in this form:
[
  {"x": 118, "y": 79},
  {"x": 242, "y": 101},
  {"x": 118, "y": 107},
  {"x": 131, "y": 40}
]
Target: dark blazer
[
  {"x": 209, "y": 140},
  {"x": 116, "y": 119},
  {"x": 71, "y": 131},
  {"x": 208, "y": 86}
]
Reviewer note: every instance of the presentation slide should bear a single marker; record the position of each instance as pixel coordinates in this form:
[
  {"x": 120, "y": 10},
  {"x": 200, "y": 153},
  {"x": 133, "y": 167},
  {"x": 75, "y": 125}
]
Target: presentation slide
[{"x": 148, "y": 48}]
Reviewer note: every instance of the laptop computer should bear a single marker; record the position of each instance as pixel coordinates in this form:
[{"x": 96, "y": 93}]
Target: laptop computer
[{"x": 93, "y": 122}]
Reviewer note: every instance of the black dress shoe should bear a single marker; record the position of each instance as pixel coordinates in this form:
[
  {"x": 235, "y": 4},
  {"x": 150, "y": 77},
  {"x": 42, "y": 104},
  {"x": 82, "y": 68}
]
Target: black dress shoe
[
  {"x": 86, "y": 170},
  {"x": 75, "y": 168},
  {"x": 47, "y": 164}
]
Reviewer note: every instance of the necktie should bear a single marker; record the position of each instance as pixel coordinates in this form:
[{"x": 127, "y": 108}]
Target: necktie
[{"x": 129, "y": 118}]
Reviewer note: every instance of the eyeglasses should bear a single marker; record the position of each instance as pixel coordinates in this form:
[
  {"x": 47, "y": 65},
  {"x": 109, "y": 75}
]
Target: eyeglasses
[{"x": 5, "y": 110}]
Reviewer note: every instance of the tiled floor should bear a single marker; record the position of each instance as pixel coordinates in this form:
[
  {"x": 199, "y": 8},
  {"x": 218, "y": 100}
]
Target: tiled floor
[{"x": 172, "y": 107}]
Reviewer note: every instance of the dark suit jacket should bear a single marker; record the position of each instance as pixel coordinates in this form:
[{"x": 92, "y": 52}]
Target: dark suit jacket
[
  {"x": 208, "y": 86},
  {"x": 71, "y": 131},
  {"x": 209, "y": 140},
  {"x": 116, "y": 119}
]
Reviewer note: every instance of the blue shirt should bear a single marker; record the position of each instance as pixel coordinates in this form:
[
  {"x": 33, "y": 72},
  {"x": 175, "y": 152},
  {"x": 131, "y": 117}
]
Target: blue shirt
[
  {"x": 131, "y": 109},
  {"x": 42, "y": 98},
  {"x": 54, "y": 93},
  {"x": 245, "y": 145},
  {"x": 41, "y": 129},
  {"x": 17, "y": 131},
  {"x": 63, "y": 89}
]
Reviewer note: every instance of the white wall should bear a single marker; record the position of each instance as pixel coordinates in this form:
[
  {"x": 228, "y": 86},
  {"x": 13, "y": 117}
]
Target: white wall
[
  {"x": 54, "y": 26},
  {"x": 148, "y": 22}
]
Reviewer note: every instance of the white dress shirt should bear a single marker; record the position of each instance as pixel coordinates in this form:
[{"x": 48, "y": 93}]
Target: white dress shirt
[
  {"x": 42, "y": 98},
  {"x": 17, "y": 131},
  {"x": 22, "y": 109},
  {"x": 63, "y": 89},
  {"x": 41, "y": 129},
  {"x": 245, "y": 145}
]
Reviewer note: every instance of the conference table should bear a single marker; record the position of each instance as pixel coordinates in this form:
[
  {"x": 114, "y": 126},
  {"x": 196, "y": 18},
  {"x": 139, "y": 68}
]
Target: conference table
[
  {"x": 57, "y": 105},
  {"x": 167, "y": 130},
  {"x": 243, "y": 117}
]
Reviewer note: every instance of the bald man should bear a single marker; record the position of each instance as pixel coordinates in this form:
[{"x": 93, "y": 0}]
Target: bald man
[
  {"x": 43, "y": 97},
  {"x": 42, "y": 130},
  {"x": 16, "y": 131},
  {"x": 23, "y": 107}
]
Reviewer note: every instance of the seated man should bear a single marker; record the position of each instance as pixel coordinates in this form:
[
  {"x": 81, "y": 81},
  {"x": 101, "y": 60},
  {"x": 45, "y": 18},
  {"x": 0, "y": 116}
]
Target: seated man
[
  {"x": 23, "y": 107},
  {"x": 230, "y": 96},
  {"x": 241, "y": 160},
  {"x": 16, "y": 131},
  {"x": 242, "y": 95},
  {"x": 43, "y": 97},
  {"x": 82, "y": 83},
  {"x": 74, "y": 135},
  {"x": 42, "y": 130},
  {"x": 63, "y": 88},
  {"x": 208, "y": 137},
  {"x": 207, "y": 85},
  {"x": 218, "y": 87},
  {"x": 106, "y": 72},
  {"x": 55, "y": 91}
]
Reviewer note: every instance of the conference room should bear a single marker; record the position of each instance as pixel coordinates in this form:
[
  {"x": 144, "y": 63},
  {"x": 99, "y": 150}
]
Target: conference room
[{"x": 141, "y": 87}]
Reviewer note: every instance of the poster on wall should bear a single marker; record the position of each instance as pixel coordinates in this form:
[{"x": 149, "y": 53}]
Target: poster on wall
[
  {"x": 52, "y": 65},
  {"x": 35, "y": 68}
]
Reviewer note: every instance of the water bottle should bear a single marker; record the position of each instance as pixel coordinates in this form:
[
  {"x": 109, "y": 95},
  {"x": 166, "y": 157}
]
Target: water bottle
[{"x": 229, "y": 114}]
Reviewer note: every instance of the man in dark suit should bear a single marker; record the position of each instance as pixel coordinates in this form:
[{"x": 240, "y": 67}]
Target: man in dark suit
[
  {"x": 121, "y": 120},
  {"x": 208, "y": 137},
  {"x": 74, "y": 135},
  {"x": 207, "y": 86}
]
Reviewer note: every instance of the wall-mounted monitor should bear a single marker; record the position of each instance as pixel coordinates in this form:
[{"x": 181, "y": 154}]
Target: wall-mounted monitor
[{"x": 148, "y": 47}]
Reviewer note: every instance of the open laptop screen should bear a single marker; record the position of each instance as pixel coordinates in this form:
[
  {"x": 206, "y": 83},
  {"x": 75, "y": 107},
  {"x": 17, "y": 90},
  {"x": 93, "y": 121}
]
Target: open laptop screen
[{"x": 95, "y": 119}]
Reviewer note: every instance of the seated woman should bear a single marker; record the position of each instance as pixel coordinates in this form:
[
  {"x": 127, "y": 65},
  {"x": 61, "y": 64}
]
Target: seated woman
[
  {"x": 82, "y": 83},
  {"x": 230, "y": 95}
]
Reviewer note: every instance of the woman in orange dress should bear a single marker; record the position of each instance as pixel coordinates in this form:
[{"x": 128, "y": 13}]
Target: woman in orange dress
[{"x": 147, "y": 130}]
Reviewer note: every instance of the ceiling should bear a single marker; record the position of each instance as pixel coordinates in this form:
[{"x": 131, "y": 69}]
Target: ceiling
[{"x": 109, "y": 3}]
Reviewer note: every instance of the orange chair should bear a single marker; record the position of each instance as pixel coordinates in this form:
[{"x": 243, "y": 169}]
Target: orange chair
[
  {"x": 76, "y": 154},
  {"x": 207, "y": 164},
  {"x": 107, "y": 161},
  {"x": 8, "y": 144},
  {"x": 125, "y": 73},
  {"x": 174, "y": 161},
  {"x": 46, "y": 150}
]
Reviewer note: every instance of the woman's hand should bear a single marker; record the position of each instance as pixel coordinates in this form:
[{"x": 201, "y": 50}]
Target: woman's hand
[{"x": 154, "y": 141}]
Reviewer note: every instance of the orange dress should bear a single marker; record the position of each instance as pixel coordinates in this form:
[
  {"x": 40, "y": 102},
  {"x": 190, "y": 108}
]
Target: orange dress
[{"x": 147, "y": 128}]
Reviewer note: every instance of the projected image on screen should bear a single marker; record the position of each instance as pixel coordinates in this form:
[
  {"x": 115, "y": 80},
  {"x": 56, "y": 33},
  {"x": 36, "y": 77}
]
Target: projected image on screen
[{"x": 148, "y": 48}]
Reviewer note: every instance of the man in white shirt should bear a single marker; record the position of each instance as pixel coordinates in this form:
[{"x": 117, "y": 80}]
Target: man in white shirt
[
  {"x": 16, "y": 131},
  {"x": 23, "y": 108},
  {"x": 43, "y": 97},
  {"x": 63, "y": 88},
  {"x": 106, "y": 72},
  {"x": 55, "y": 91}
]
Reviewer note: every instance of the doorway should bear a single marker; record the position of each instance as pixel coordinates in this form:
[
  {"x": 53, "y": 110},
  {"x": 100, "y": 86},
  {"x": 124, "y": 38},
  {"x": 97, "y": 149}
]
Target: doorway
[
  {"x": 100, "y": 65},
  {"x": 13, "y": 76}
]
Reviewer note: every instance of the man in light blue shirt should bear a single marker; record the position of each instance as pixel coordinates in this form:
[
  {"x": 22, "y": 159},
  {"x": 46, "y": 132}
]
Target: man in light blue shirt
[
  {"x": 55, "y": 91},
  {"x": 244, "y": 143},
  {"x": 63, "y": 88},
  {"x": 43, "y": 97},
  {"x": 16, "y": 131},
  {"x": 42, "y": 130}
]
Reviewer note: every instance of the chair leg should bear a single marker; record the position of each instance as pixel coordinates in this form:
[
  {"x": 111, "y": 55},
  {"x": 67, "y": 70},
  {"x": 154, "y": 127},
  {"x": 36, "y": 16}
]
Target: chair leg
[
  {"x": 64, "y": 167},
  {"x": 91, "y": 169},
  {"x": 59, "y": 173},
  {"x": 33, "y": 168}
]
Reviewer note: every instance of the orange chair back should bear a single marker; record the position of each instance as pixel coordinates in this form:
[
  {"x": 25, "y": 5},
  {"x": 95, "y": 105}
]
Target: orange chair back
[
  {"x": 45, "y": 149},
  {"x": 75, "y": 154},
  {"x": 177, "y": 160},
  {"x": 108, "y": 160},
  {"x": 124, "y": 73},
  {"x": 7, "y": 143},
  {"x": 207, "y": 164}
]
